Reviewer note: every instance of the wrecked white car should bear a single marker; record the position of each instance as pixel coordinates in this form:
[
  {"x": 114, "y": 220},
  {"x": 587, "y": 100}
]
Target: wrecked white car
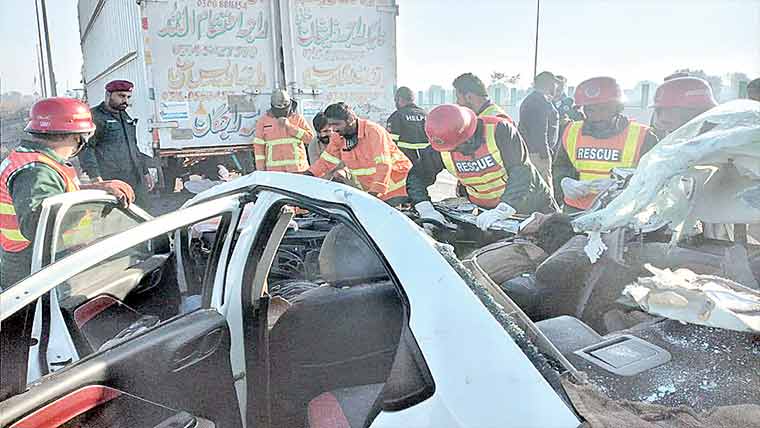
[{"x": 279, "y": 300}]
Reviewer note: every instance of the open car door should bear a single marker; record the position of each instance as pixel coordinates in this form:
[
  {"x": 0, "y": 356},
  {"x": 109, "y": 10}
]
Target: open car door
[
  {"x": 170, "y": 369},
  {"x": 69, "y": 222}
]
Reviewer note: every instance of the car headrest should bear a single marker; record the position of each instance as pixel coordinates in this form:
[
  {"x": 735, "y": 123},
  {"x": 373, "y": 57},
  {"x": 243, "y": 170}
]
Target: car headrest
[{"x": 345, "y": 259}]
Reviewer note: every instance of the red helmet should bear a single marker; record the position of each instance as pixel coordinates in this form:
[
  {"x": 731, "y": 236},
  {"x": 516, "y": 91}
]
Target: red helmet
[
  {"x": 688, "y": 92},
  {"x": 60, "y": 116},
  {"x": 450, "y": 125},
  {"x": 598, "y": 90}
]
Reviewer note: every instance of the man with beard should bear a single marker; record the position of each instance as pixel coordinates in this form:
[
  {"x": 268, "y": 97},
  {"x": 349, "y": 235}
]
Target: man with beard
[
  {"x": 368, "y": 152},
  {"x": 591, "y": 148},
  {"x": 38, "y": 169},
  {"x": 112, "y": 153},
  {"x": 471, "y": 92}
]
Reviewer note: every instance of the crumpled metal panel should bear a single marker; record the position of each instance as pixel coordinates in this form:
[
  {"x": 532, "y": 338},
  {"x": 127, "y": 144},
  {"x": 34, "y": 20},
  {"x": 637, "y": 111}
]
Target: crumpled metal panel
[
  {"x": 695, "y": 173},
  {"x": 697, "y": 299}
]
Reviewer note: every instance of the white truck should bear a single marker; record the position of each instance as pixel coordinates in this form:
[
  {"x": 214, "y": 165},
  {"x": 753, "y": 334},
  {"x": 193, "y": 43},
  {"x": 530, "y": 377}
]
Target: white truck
[{"x": 203, "y": 69}]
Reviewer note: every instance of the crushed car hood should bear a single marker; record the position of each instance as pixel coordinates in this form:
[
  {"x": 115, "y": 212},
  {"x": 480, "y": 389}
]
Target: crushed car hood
[{"x": 708, "y": 170}]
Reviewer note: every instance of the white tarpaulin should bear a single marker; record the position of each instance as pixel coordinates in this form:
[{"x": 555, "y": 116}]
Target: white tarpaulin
[{"x": 698, "y": 299}]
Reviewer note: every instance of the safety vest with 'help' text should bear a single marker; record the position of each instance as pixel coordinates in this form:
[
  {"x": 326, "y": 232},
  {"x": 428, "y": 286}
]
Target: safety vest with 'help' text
[
  {"x": 594, "y": 158},
  {"x": 11, "y": 239}
]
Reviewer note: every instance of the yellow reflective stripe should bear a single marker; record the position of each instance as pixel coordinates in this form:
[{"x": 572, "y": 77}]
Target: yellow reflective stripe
[
  {"x": 449, "y": 163},
  {"x": 631, "y": 144},
  {"x": 382, "y": 159},
  {"x": 271, "y": 144},
  {"x": 487, "y": 186},
  {"x": 413, "y": 146},
  {"x": 572, "y": 139},
  {"x": 600, "y": 169},
  {"x": 300, "y": 133},
  {"x": 362, "y": 171},
  {"x": 487, "y": 195},
  {"x": 492, "y": 110},
  {"x": 395, "y": 137},
  {"x": 13, "y": 235},
  {"x": 259, "y": 141},
  {"x": 7, "y": 209},
  {"x": 588, "y": 176},
  {"x": 261, "y": 157},
  {"x": 482, "y": 179},
  {"x": 395, "y": 186},
  {"x": 329, "y": 158},
  {"x": 491, "y": 143}
]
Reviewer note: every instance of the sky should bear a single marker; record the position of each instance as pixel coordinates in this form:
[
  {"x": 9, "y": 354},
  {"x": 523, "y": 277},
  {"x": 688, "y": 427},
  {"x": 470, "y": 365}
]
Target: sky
[{"x": 632, "y": 40}]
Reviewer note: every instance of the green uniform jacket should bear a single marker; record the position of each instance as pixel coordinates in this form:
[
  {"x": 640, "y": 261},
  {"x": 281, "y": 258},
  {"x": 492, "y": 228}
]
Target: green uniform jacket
[
  {"x": 526, "y": 191},
  {"x": 112, "y": 152},
  {"x": 28, "y": 188}
]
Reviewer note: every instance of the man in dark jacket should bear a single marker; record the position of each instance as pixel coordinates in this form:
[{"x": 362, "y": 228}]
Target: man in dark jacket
[
  {"x": 489, "y": 158},
  {"x": 539, "y": 121},
  {"x": 112, "y": 152},
  {"x": 407, "y": 128}
]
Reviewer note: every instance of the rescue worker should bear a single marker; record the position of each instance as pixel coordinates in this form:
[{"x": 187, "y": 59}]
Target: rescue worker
[
  {"x": 407, "y": 127},
  {"x": 753, "y": 90},
  {"x": 37, "y": 169},
  {"x": 591, "y": 148},
  {"x": 281, "y": 137},
  {"x": 471, "y": 93},
  {"x": 368, "y": 152},
  {"x": 112, "y": 153},
  {"x": 679, "y": 100},
  {"x": 487, "y": 156},
  {"x": 319, "y": 144}
]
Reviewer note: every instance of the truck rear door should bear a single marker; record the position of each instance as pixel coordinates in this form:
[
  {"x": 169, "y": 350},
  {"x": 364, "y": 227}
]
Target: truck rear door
[
  {"x": 212, "y": 65},
  {"x": 341, "y": 51}
]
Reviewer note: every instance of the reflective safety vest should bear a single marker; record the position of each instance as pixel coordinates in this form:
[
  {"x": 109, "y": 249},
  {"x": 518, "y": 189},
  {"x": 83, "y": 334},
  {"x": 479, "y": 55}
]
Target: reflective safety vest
[
  {"x": 594, "y": 158},
  {"x": 375, "y": 165},
  {"x": 482, "y": 173},
  {"x": 276, "y": 150},
  {"x": 496, "y": 110},
  {"x": 11, "y": 239}
]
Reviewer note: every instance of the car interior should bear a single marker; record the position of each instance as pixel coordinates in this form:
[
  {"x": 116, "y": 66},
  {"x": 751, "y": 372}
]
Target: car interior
[
  {"x": 341, "y": 350},
  {"x": 631, "y": 354}
]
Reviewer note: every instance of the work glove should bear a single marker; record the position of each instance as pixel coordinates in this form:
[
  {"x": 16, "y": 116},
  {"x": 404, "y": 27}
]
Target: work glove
[
  {"x": 123, "y": 191},
  {"x": 426, "y": 211},
  {"x": 575, "y": 189},
  {"x": 502, "y": 211}
]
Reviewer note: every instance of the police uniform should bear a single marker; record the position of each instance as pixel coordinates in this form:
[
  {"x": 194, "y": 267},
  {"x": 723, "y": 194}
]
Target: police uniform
[
  {"x": 407, "y": 128},
  {"x": 30, "y": 173},
  {"x": 112, "y": 152}
]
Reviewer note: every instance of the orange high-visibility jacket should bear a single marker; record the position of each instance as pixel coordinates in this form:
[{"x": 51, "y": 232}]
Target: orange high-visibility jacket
[
  {"x": 11, "y": 239},
  {"x": 594, "y": 158},
  {"x": 376, "y": 164},
  {"x": 278, "y": 148}
]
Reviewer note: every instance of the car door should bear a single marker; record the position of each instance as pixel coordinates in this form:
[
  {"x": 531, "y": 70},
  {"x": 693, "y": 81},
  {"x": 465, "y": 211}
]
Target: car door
[
  {"x": 173, "y": 371},
  {"x": 69, "y": 222}
]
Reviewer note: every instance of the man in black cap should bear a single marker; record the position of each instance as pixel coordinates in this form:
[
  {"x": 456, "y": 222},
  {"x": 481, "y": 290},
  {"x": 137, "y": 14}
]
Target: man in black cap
[
  {"x": 112, "y": 153},
  {"x": 407, "y": 128},
  {"x": 539, "y": 121}
]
